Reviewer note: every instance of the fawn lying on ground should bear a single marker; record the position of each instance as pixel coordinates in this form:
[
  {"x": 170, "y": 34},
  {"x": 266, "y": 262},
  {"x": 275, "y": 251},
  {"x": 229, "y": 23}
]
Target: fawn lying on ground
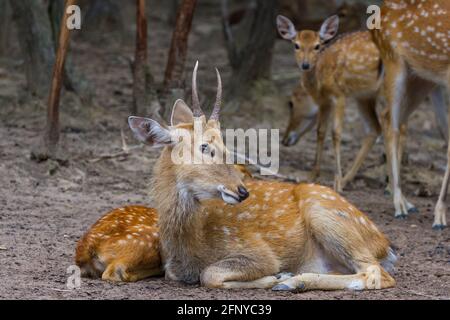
[
  {"x": 414, "y": 45},
  {"x": 216, "y": 230},
  {"x": 123, "y": 245}
]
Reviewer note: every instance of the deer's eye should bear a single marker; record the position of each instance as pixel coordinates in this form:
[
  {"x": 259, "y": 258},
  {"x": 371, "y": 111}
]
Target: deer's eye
[
  {"x": 317, "y": 47},
  {"x": 297, "y": 46},
  {"x": 204, "y": 148}
]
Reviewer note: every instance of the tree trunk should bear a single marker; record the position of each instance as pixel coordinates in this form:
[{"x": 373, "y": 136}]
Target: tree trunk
[
  {"x": 104, "y": 15},
  {"x": 145, "y": 100},
  {"x": 52, "y": 130},
  {"x": 173, "y": 85},
  {"x": 5, "y": 26},
  {"x": 172, "y": 11},
  {"x": 250, "y": 45},
  {"x": 35, "y": 40},
  {"x": 173, "y": 77},
  {"x": 73, "y": 80},
  {"x": 140, "y": 60}
]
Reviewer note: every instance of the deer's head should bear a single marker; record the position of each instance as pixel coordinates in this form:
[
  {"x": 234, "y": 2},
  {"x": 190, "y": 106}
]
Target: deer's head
[
  {"x": 303, "y": 114},
  {"x": 307, "y": 43},
  {"x": 194, "y": 154}
]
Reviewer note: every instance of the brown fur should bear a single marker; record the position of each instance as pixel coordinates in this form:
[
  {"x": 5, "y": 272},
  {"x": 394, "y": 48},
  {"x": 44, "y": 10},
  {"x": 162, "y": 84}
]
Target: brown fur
[
  {"x": 281, "y": 227},
  {"x": 105, "y": 245},
  {"x": 347, "y": 69},
  {"x": 254, "y": 235},
  {"x": 123, "y": 245},
  {"x": 413, "y": 42}
]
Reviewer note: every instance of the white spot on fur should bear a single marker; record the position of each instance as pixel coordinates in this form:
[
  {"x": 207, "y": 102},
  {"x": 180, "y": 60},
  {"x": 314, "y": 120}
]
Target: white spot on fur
[
  {"x": 226, "y": 231},
  {"x": 244, "y": 215},
  {"x": 356, "y": 285}
]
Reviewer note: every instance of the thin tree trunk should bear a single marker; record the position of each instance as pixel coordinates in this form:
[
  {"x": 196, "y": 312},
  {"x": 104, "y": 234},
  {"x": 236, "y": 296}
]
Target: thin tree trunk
[
  {"x": 250, "y": 45},
  {"x": 103, "y": 15},
  {"x": 173, "y": 84},
  {"x": 34, "y": 33},
  {"x": 140, "y": 60},
  {"x": 73, "y": 81},
  {"x": 172, "y": 14},
  {"x": 5, "y": 26},
  {"x": 52, "y": 130},
  {"x": 173, "y": 77}
]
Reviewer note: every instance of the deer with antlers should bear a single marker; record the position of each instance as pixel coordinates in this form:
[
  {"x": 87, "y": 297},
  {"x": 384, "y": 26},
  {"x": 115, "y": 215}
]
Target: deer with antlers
[
  {"x": 224, "y": 232},
  {"x": 123, "y": 245},
  {"x": 414, "y": 44}
]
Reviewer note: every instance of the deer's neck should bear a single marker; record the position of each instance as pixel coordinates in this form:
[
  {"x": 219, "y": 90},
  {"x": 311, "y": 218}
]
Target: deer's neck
[
  {"x": 180, "y": 221},
  {"x": 309, "y": 81}
]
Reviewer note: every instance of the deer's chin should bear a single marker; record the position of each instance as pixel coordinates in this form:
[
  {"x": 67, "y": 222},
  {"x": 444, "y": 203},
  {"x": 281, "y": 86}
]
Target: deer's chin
[
  {"x": 229, "y": 199},
  {"x": 228, "y": 196}
]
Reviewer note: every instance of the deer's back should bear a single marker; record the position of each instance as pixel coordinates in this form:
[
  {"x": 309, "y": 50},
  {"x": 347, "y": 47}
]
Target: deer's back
[
  {"x": 419, "y": 34},
  {"x": 351, "y": 65}
]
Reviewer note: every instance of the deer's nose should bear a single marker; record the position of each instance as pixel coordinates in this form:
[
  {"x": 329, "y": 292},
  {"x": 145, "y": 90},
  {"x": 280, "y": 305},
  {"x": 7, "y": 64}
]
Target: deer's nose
[
  {"x": 305, "y": 66},
  {"x": 243, "y": 193}
]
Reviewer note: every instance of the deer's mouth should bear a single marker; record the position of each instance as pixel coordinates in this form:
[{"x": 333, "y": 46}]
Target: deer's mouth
[{"x": 228, "y": 196}]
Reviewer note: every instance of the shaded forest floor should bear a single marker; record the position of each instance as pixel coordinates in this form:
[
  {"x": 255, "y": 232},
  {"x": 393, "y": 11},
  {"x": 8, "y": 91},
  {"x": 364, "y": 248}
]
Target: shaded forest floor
[{"x": 46, "y": 207}]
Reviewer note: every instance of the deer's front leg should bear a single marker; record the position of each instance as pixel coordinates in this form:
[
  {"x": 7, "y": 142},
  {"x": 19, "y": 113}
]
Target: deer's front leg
[
  {"x": 337, "y": 133},
  {"x": 324, "y": 116},
  {"x": 395, "y": 85},
  {"x": 242, "y": 272}
]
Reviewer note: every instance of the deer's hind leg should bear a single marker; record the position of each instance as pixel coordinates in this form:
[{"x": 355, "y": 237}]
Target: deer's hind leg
[
  {"x": 337, "y": 228},
  {"x": 373, "y": 130},
  {"x": 121, "y": 272},
  {"x": 133, "y": 264},
  {"x": 336, "y": 137},
  {"x": 440, "y": 211},
  {"x": 322, "y": 126},
  {"x": 373, "y": 277}
]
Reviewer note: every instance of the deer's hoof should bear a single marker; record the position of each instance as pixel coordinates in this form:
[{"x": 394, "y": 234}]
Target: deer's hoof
[
  {"x": 284, "y": 275},
  {"x": 401, "y": 216},
  {"x": 438, "y": 227},
  {"x": 413, "y": 210},
  {"x": 282, "y": 287}
]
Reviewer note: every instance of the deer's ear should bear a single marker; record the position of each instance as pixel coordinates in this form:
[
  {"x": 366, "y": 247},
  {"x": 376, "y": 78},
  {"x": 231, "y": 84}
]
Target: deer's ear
[
  {"x": 329, "y": 28},
  {"x": 149, "y": 131},
  {"x": 286, "y": 28},
  {"x": 181, "y": 113}
]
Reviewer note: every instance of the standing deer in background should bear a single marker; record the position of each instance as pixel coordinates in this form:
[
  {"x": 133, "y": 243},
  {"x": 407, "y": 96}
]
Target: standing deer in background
[
  {"x": 331, "y": 74},
  {"x": 414, "y": 45},
  {"x": 216, "y": 230}
]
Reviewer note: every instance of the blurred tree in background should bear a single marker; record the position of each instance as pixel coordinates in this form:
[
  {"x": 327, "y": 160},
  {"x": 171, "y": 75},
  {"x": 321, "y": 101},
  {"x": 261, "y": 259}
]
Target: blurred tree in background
[{"x": 248, "y": 28}]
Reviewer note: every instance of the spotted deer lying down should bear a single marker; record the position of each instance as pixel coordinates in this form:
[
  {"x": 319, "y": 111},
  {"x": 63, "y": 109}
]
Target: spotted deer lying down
[
  {"x": 123, "y": 245},
  {"x": 218, "y": 231}
]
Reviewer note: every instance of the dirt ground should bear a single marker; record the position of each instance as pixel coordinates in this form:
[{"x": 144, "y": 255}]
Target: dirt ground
[{"x": 46, "y": 207}]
